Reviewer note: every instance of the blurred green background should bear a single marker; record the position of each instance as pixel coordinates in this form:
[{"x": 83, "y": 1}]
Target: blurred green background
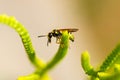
[{"x": 98, "y": 22}]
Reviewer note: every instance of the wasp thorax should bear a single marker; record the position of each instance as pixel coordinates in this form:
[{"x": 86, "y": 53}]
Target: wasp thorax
[{"x": 56, "y": 33}]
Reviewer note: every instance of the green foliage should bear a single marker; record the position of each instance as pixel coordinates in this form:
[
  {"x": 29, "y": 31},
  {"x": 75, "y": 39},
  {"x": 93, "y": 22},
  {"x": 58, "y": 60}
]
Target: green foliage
[
  {"x": 109, "y": 70},
  {"x": 41, "y": 67}
]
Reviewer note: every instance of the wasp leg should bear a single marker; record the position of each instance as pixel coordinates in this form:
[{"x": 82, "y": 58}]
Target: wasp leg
[
  {"x": 58, "y": 40},
  {"x": 49, "y": 41},
  {"x": 71, "y": 37}
]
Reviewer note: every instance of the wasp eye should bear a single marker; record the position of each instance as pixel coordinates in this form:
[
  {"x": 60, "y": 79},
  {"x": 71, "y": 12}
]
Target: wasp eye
[{"x": 55, "y": 31}]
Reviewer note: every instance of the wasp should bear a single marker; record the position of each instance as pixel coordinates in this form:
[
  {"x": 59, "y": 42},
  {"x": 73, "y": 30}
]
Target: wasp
[{"x": 57, "y": 33}]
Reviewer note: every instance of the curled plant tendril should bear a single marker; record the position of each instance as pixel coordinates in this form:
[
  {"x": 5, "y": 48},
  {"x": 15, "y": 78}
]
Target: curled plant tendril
[
  {"x": 109, "y": 70},
  {"x": 20, "y": 29},
  {"x": 41, "y": 67}
]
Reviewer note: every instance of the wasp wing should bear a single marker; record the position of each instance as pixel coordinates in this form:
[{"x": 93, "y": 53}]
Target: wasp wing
[{"x": 69, "y": 29}]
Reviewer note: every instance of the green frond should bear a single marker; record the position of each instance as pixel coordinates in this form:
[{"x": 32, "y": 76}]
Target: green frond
[{"x": 111, "y": 59}]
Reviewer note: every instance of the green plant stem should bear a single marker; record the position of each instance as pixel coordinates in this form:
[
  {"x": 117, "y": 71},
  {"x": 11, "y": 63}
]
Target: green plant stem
[
  {"x": 62, "y": 51},
  {"x": 109, "y": 70},
  {"x": 20, "y": 29},
  {"x": 111, "y": 59},
  {"x": 85, "y": 62}
]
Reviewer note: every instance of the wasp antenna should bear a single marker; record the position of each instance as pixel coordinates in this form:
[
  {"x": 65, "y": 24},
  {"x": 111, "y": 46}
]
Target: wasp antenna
[{"x": 42, "y": 36}]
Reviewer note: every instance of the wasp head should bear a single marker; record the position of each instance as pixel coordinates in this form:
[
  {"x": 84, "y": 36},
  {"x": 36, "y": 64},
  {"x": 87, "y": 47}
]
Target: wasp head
[{"x": 49, "y": 38}]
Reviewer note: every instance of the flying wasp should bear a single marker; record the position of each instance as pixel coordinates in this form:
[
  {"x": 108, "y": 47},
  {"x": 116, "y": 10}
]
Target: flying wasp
[{"x": 57, "y": 33}]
